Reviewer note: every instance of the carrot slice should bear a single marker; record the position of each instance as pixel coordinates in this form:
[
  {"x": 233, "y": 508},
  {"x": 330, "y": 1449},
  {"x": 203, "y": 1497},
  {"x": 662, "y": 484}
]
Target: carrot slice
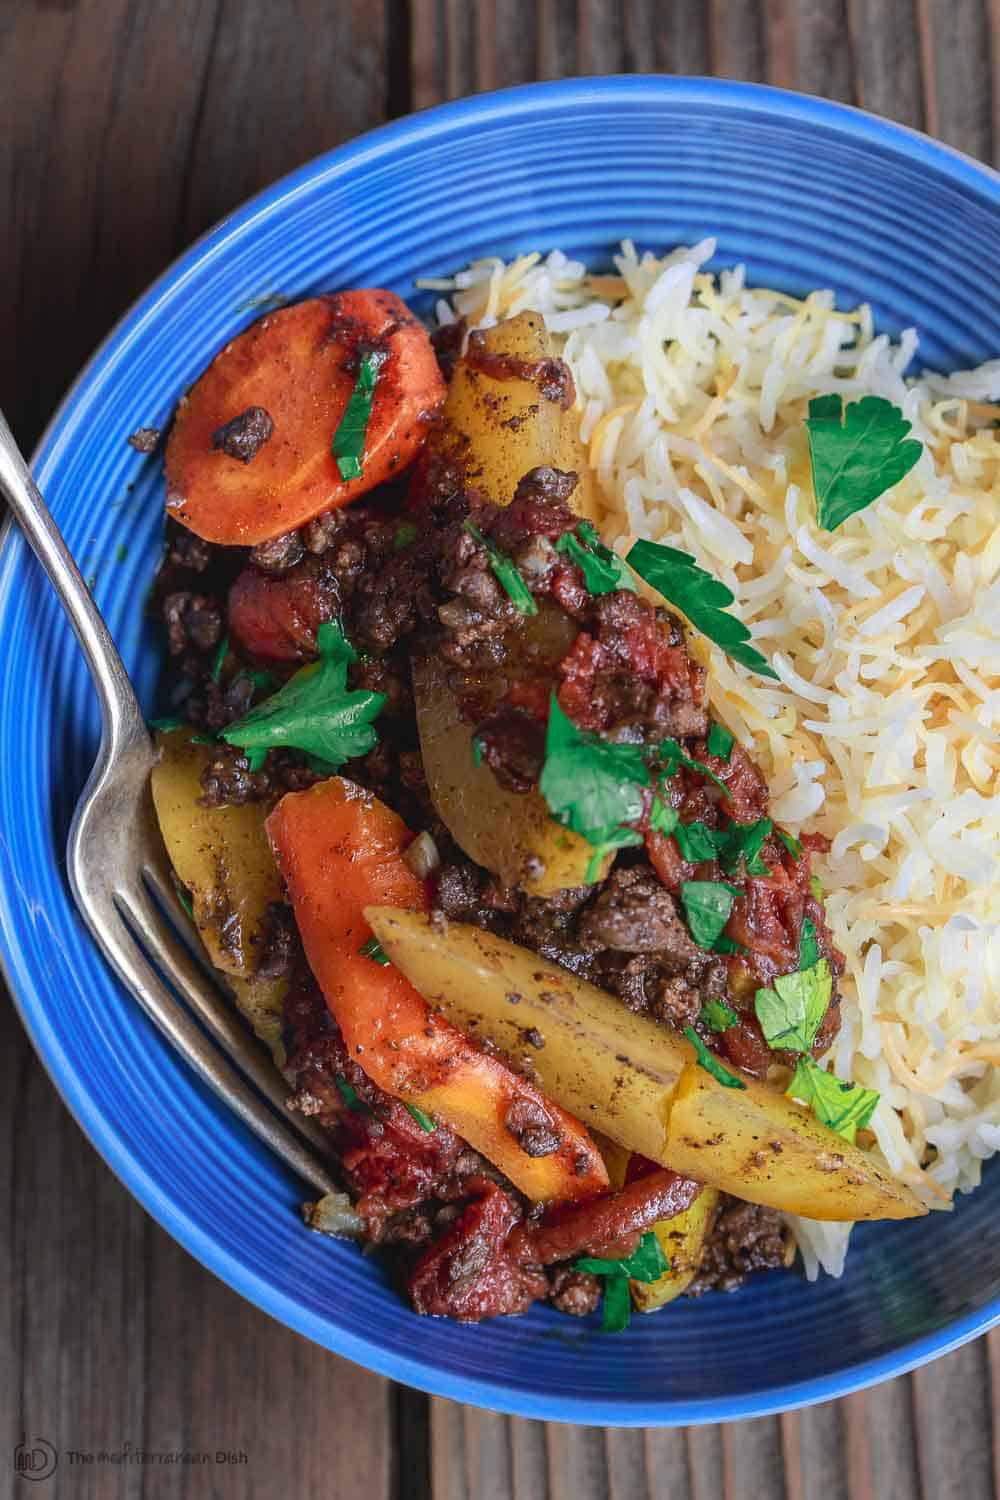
[
  {"x": 340, "y": 850},
  {"x": 299, "y": 367}
]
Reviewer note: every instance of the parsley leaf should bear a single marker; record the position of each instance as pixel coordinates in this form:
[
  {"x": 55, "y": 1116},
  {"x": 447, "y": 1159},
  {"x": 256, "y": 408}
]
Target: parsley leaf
[
  {"x": 673, "y": 756},
  {"x": 605, "y": 840},
  {"x": 219, "y": 659},
  {"x": 702, "y": 598},
  {"x": 845, "y": 1107},
  {"x": 743, "y": 842},
  {"x": 708, "y": 1060},
  {"x": 348, "y": 1092},
  {"x": 349, "y": 438},
  {"x": 698, "y": 842},
  {"x": 373, "y": 949},
  {"x": 717, "y": 1016},
  {"x": 725, "y": 944},
  {"x": 720, "y": 741},
  {"x": 662, "y": 817},
  {"x": 808, "y": 946},
  {"x": 790, "y": 842},
  {"x": 815, "y": 887},
  {"x": 423, "y": 1120},
  {"x": 707, "y": 905},
  {"x": 314, "y": 711},
  {"x": 603, "y": 570},
  {"x": 646, "y": 1263},
  {"x": 792, "y": 1012},
  {"x": 590, "y": 786},
  {"x": 506, "y": 573},
  {"x": 856, "y": 455}
]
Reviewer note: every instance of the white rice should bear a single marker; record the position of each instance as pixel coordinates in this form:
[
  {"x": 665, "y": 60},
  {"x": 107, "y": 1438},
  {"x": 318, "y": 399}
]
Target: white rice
[{"x": 884, "y": 730}]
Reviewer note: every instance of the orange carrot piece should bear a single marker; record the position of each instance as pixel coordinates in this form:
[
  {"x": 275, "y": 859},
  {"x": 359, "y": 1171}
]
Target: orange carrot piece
[
  {"x": 300, "y": 365},
  {"x": 340, "y": 850}
]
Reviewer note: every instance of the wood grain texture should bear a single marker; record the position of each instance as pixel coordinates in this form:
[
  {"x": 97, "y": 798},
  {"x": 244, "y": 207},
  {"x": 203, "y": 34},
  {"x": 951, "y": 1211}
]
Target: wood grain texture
[{"x": 126, "y": 128}]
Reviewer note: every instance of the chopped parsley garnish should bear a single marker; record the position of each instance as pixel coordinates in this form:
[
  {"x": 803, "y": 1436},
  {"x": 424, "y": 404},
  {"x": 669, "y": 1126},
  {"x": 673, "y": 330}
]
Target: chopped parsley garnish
[
  {"x": 184, "y": 897},
  {"x": 477, "y": 750},
  {"x": 166, "y": 725},
  {"x": 697, "y": 842},
  {"x": 605, "y": 841},
  {"x": 314, "y": 712},
  {"x": 717, "y": 1016},
  {"x": 790, "y": 842},
  {"x": 423, "y": 1120},
  {"x": 743, "y": 843},
  {"x": 673, "y": 756},
  {"x": 702, "y": 598},
  {"x": 791, "y": 1013},
  {"x": 856, "y": 454},
  {"x": 662, "y": 817},
  {"x": 603, "y": 570},
  {"x": 349, "y": 438},
  {"x": 348, "y": 1093},
  {"x": 720, "y": 741},
  {"x": 590, "y": 785},
  {"x": 815, "y": 887},
  {"x": 219, "y": 659},
  {"x": 707, "y": 905},
  {"x": 808, "y": 945},
  {"x": 373, "y": 949},
  {"x": 646, "y": 1263},
  {"x": 844, "y": 1107},
  {"x": 506, "y": 573},
  {"x": 708, "y": 1060},
  {"x": 406, "y": 532},
  {"x": 725, "y": 944}
]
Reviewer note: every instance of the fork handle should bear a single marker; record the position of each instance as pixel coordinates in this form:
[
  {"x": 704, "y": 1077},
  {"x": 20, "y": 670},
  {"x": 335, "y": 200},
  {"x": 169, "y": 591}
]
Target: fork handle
[{"x": 121, "y": 716}]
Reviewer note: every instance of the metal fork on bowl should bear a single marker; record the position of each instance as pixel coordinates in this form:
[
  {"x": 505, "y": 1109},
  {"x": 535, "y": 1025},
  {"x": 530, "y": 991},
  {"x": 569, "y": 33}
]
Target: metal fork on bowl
[{"x": 121, "y": 879}]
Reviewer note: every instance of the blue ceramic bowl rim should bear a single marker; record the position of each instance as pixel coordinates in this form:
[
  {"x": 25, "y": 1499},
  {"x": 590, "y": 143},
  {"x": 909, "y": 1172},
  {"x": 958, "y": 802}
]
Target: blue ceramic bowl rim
[{"x": 491, "y": 108}]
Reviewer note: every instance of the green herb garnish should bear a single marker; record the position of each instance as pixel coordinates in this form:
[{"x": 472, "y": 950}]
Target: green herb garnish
[
  {"x": 672, "y": 755},
  {"x": 590, "y": 786},
  {"x": 219, "y": 659},
  {"x": 373, "y": 949},
  {"x": 725, "y": 944},
  {"x": 717, "y": 1016},
  {"x": 720, "y": 741},
  {"x": 348, "y": 1093},
  {"x": 708, "y": 1060},
  {"x": 605, "y": 841},
  {"x": 791, "y": 1013},
  {"x": 662, "y": 817},
  {"x": 423, "y": 1120},
  {"x": 647, "y": 1263},
  {"x": 707, "y": 905},
  {"x": 603, "y": 570},
  {"x": 844, "y": 1107},
  {"x": 506, "y": 573},
  {"x": 349, "y": 438},
  {"x": 815, "y": 887},
  {"x": 697, "y": 842},
  {"x": 184, "y": 897},
  {"x": 808, "y": 945},
  {"x": 790, "y": 842},
  {"x": 857, "y": 454},
  {"x": 166, "y": 725},
  {"x": 702, "y": 598},
  {"x": 743, "y": 843},
  {"x": 314, "y": 711},
  {"x": 477, "y": 750}
]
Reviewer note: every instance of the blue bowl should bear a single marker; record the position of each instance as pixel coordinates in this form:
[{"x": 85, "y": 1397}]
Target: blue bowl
[{"x": 808, "y": 194}]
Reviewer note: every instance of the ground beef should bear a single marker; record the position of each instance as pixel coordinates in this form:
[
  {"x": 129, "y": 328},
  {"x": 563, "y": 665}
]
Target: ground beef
[
  {"x": 512, "y": 743},
  {"x": 145, "y": 439},
  {"x": 193, "y": 621},
  {"x": 227, "y": 780},
  {"x": 745, "y": 1237},
  {"x": 279, "y": 554},
  {"x": 634, "y": 914},
  {"x": 244, "y": 436},
  {"x": 574, "y": 1292}
]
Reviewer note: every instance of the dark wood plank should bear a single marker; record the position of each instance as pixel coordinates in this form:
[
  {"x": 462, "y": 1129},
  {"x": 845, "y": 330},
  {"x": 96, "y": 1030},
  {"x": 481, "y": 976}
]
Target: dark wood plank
[
  {"x": 955, "y": 55},
  {"x": 888, "y": 67},
  {"x": 952, "y": 1425},
  {"x": 240, "y": 1382},
  {"x": 736, "y": 39}
]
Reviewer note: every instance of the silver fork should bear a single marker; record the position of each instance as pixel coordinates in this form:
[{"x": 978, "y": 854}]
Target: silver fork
[{"x": 120, "y": 876}]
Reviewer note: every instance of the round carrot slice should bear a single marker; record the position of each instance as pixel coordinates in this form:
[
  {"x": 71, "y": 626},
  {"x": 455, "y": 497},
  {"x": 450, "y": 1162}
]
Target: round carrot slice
[{"x": 250, "y": 454}]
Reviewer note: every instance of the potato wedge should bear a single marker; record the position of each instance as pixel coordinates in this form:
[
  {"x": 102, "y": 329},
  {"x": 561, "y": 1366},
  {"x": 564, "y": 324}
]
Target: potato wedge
[
  {"x": 221, "y": 854},
  {"x": 636, "y": 1081},
  {"x": 261, "y": 1002},
  {"x": 511, "y": 833},
  {"x": 496, "y": 431},
  {"x": 681, "y": 1240},
  {"x": 499, "y": 429}
]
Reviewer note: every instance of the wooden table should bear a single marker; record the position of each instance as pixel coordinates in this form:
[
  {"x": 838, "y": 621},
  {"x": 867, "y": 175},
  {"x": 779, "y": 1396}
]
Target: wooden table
[{"x": 126, "y": 128}]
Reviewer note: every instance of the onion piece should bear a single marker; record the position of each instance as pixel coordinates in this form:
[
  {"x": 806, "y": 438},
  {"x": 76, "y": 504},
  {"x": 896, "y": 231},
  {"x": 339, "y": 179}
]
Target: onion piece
[
  {"x": 422, "y": 856},
  {"x": 334, "y": 1214}
]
